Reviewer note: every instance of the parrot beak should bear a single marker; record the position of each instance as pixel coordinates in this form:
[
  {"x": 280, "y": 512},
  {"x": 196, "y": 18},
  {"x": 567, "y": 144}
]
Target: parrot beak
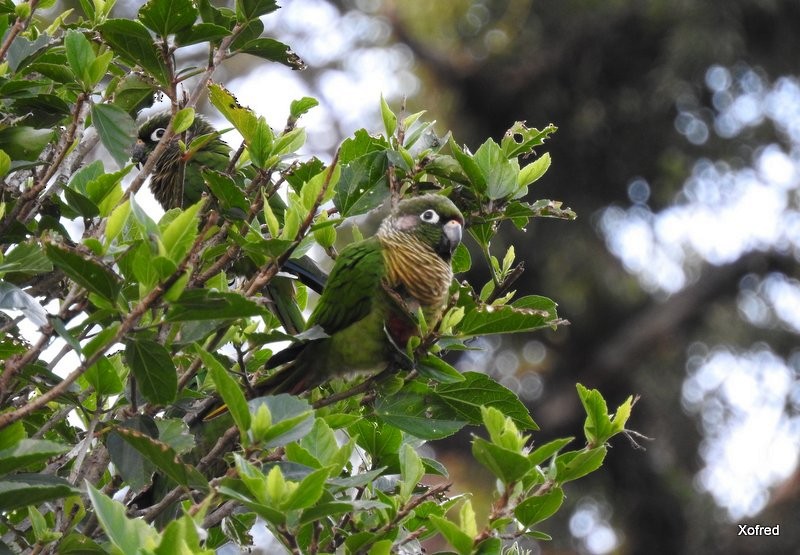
[
  {"x": 139, "y": 153},
  {"x": 452, "y": 237}
]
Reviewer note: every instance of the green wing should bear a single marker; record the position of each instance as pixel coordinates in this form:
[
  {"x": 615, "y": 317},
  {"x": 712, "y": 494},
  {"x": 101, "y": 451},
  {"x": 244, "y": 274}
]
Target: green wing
[{"x": 352, "y": 287}]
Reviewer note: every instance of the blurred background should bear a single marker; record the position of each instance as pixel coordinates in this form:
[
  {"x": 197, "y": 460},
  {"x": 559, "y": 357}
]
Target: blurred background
[{"x": 679, "y": 148}]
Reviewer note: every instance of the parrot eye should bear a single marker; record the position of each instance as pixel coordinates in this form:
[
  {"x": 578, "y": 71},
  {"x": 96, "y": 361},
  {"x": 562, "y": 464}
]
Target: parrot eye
[
  {"x": 157, "y": 134},
  {"x": 429, "y": 216}
]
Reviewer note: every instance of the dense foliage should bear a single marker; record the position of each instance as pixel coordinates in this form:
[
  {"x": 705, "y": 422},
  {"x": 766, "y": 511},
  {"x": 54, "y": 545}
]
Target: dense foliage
[{"x": 101, "y": 445}]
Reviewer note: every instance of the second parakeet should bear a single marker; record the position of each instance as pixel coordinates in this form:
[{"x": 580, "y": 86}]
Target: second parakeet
[
  {"x": 368, "y": 309},
  {"x": 177, "y": 181}
]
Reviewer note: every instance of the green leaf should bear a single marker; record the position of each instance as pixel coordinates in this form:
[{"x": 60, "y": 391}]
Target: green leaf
[
  {"x": 361, "y": 144},
  {"x": 202, "y": 32},
  {"x": 260, "y": 144},
  {"x": 274, "y": 51},
  {"x": 509, "y": 466},
  {"x": 411, "y": 471},
  {"x": 389, "y": 118},
  {"x": 521, "y": 140},
  {"x": 470, "y": 167},
  {"x": 540, "y": 507},
  {"x": 228, "y": 389},
  {"x": 525, "y": 314},
  {"x": 132, "y": 41},
  {"x": 183, "y": 120},
  {"x": 247, "y": 10},
  {"x": 437, "y": 369},
  {"x": 363, "y": 185},
  {"x": 21, "y": 490},
  {"x": 163, "y": 457},
  {"x": 181, "y": 232},
  {"x": 102, "y": 375},
  {"x": 292, "y": 418},
  {"x": 5, "y": 163},
  {"x": 597, "y": 426},
  {"x": 130, "y": 536},
  {"x": 165, "y": 17},
  {"x": 28, "y": 452},
  {"x": 462, "y": 261},
  {"x": 321, "y": 443},
  {"x": 453, "y": 534},
  {"x": 576, "y": 464},
  {"x": 80, "y": 57},
  {"x": 154, "y": 370},
  {"x": 500, "y": 173},
  {"x": 544, "y": 452},
  {"x": 477, "y": 390},
  {"x": 308, "y": 492},
  {"x": 116, "y": 130},
  {"x": 231, "y": 198},
  {"x": 202, "y": 304},
  {"x": 299, "y": 107},
  {"x": 243, "y": 119},
  {"x": 88, "y": 274},
  {"x": 533, "y": 171}
]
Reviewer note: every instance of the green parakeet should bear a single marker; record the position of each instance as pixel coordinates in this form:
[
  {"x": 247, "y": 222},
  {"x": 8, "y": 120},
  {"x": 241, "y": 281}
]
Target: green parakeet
[
  {"x": 177, "y": 181},
  {"x": 368, "y": 309}
]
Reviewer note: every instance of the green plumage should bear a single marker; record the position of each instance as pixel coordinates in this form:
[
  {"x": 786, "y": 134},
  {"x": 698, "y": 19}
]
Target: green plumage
[
  {"x": 176, "y": 181},
  {"x": 369, "y": 306}
]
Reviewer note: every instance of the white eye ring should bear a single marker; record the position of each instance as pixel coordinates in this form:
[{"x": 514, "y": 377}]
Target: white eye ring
[
  {"x": 157, "y": 134},
  {"x": 429, "y": 216}
]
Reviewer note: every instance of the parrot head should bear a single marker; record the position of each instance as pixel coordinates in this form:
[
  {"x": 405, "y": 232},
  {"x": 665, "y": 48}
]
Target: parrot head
[
  {"x": 429, "y": 222},
  {"x": 167, "y": 180}
]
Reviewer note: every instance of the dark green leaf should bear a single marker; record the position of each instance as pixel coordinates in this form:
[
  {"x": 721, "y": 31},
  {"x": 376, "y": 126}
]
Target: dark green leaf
[
  {"x": 116, "y": 130},
  {"x": 134, "y": 94},
  {"x": 133, "y": 467},
  {"x": 202, "y": 32},
  {"x": 154, "y": 370},
  {"x": 274, "y": 51},
  {"x": 477, "y": 390},
  {"x": 32, "y": 489},
  {"x": 538, "y": 508},
  {"x": 44, "y": 110},
  {"x": 363, "y": 185},
  {"x": 247, "y": 10},
  {"x": 163, "y": 457},
  {"x": 103, "y": 376},
  {"x": 24, "y": 143},
  {"x": 165, "y": 17},
  {"x": 28, "y": 452},
  {"x": 92, "y": 276},
  {"x": 292, "y": 418},
  {"x": 418, "y": 414},
  {"x": 202, "y": 304},
  {"x": 132, "y": 41},
  {"x": 360, "y": 144}
]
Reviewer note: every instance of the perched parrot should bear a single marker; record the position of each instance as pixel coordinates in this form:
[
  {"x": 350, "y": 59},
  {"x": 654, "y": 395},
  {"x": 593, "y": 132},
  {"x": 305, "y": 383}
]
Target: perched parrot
[
  {"x": 177, "y": 182},
  {"x": 368, "y": 309}
]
